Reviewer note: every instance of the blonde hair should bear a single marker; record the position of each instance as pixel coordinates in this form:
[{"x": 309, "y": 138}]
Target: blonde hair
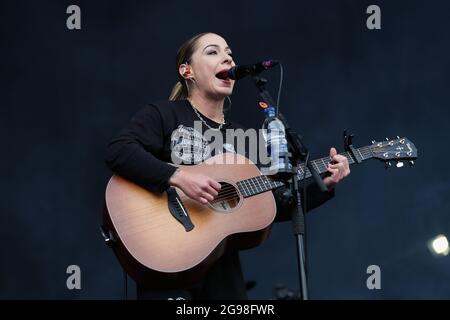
[{"x": 184, "y": 54}]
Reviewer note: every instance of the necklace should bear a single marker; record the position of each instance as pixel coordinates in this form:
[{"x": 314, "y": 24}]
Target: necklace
[{"x": 201, "y": 118}]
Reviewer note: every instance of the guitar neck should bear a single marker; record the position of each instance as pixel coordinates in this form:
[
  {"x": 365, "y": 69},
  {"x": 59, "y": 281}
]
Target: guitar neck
[{"x": 263, "y": 183}]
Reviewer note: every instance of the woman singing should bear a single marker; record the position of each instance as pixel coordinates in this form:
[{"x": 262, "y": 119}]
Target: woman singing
[{"x": 164, "y": 132}]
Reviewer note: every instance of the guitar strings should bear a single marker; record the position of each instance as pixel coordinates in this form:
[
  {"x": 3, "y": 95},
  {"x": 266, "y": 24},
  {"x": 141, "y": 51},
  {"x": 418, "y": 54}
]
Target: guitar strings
[
  {"x": 229, "y": 191},
  {"x": 236, "y": 197}
]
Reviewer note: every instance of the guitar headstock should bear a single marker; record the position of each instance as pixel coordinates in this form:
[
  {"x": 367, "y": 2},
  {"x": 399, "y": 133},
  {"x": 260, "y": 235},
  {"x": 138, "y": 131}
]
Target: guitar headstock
[{"x": 398, "y": 149}]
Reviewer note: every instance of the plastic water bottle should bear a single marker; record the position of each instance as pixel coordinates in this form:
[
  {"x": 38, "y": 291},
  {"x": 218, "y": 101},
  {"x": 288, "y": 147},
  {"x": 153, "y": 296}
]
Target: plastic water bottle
[{"x": 276, "y": 143}]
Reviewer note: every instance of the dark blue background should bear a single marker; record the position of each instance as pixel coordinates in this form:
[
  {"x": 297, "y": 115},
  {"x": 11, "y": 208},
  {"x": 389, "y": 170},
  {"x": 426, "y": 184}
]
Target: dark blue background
[{"x": 65, "y": 93}]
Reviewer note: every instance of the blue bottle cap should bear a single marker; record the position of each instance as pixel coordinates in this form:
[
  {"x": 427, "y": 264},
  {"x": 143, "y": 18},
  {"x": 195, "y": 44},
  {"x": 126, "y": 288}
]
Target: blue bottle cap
[{"x": 270, "y": 111}]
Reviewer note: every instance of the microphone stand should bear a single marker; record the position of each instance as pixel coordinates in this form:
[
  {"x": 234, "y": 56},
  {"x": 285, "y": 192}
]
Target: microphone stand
[{"x": 298, "y": 153}]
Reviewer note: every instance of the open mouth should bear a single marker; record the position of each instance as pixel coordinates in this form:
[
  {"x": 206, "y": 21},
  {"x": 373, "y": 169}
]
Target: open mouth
[{"x": 223, "y": 75}]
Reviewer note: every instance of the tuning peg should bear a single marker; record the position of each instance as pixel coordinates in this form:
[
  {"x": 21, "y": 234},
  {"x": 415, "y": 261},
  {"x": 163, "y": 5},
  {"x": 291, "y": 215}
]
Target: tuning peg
[
  {"x": 387, "y": 139},
  {"x": 411, "y": 163},
  {"x": 399, "y": 164},
  {"x": 387, "y": 164},
  {"x": 373, "y": 141},
  {"x": 398, "y": 137}
]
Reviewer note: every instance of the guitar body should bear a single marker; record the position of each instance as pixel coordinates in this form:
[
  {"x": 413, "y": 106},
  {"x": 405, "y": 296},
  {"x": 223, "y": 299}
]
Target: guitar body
[{"x": 156, "y": 249}]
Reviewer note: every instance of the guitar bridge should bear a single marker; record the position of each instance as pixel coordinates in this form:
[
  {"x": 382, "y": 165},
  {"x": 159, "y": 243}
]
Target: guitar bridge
[{"x": 177, "y": 209}]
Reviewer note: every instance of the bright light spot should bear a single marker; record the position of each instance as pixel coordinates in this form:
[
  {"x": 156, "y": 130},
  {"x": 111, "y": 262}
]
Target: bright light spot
[
  {"x": 439, "y": 245},
  {"x": 399, "y": 164}
]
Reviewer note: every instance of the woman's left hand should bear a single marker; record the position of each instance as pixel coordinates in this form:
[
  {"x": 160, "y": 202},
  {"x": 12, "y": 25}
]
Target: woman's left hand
[{"x": 339, "y": 169}]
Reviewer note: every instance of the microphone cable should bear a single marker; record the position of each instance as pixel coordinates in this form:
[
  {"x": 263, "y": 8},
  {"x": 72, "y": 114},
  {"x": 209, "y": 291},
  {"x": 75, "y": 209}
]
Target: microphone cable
[{"x": 303, "y": 178}]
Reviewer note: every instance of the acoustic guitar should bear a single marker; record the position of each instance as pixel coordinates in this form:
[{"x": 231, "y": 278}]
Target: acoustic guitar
[{"x": 166, "y": 240}]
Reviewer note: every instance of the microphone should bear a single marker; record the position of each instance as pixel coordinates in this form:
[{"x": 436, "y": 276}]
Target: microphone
[{"x": 239, "y": 72}]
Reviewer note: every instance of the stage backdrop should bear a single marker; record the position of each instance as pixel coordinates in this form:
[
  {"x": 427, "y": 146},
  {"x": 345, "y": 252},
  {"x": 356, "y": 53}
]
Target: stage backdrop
[{"x": 65, "y": 93}]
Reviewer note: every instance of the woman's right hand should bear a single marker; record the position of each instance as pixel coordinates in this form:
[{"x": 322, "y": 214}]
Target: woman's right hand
[{"x": 196, "y": 186}]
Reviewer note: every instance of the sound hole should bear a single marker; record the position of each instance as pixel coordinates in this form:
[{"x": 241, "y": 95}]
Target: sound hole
[{"x": 227, "y": 199}]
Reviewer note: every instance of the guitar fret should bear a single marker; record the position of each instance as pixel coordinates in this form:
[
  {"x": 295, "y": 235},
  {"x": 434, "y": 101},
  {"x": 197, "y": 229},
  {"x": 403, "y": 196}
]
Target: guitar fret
[
  {"x": 261, "y": 186},
  {"x": 253, "y": 181},
  {"x": 257, "y": 184},
  {"x": 268, "y": 183},
  {"x": 368, "y": 151},
  {"x": 247, "y": 187},
  {"x": 317, "y": 168},
  {"x": 321, "y": 169},
  {"x": 324, "y": 164},
  {"x": 251, "y": 186},
  {"x": 244, "y": 190},
  {"x": 300, "y": 168},
  {"x": 305, "y": 173},
  {"x": 350, "y": 158},
  {"x": 241, "y": 190},
  {"x": 360, "y": 154},
  {"x": 263, "y": 183},
  {"x": 345, "y": 154}
]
